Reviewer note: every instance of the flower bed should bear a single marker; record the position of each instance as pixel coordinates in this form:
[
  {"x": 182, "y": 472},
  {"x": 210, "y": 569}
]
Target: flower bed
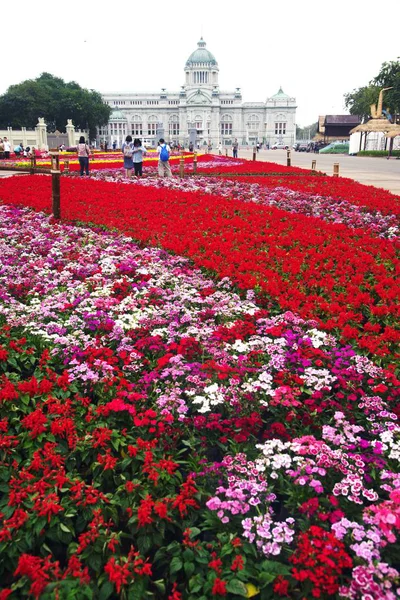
[
  {"x": 162, "y": 437},
  {"x": 347, "y": 279}
]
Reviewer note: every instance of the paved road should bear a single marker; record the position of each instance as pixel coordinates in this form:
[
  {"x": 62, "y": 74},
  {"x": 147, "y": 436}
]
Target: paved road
[{"x": 379, "y": 172}]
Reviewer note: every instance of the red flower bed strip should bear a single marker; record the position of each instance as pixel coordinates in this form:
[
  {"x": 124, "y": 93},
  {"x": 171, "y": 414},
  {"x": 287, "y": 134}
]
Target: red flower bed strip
[
  {"x": 337, "y": 187},
  {"x": 346, "y": 278}
]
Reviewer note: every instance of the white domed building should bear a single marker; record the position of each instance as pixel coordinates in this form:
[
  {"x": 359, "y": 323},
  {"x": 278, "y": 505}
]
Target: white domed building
[{"x": 200, "y": 106}]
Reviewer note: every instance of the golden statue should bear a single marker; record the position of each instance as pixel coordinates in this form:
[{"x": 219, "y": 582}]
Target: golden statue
[{"x": 376, "y": 113}]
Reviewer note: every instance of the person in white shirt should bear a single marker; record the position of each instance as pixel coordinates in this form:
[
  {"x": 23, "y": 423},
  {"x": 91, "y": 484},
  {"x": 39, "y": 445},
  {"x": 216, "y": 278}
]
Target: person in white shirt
[
  {"x": 163, "y": 151},
  {"x": 7, "y": 148}
]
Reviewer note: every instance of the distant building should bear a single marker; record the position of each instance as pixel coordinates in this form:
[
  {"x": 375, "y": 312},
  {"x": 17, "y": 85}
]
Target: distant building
[
  {"x": 200, "y": 109},
  {"x": 336, "y": 127}
]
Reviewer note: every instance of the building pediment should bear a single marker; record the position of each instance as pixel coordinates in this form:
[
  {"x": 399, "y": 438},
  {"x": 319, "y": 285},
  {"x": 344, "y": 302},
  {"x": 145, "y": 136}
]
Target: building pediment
[{"x": 198, "y": 97}]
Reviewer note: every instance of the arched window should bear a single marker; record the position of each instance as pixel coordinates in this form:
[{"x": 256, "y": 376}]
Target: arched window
[
  {"x": 253, "y": 123},
  {"x": 198, "y": 123},
  {"x": 152, "y": 125},
  {"x": 280, "y": 124},
  {"x": 174, "y": 125},
  {"x": 226, "y": 125},
  {"x": 137, "y": 126}
]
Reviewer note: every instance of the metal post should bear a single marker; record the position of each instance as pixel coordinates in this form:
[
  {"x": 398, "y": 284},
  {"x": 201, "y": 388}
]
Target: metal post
[
  {"x": 288, "y": 159},
  {"x": 195, "y": 163},
  {"x": 181, "y": 167},
  {"x": 254, "y": 153},
  {"x": 55, "y": 184},
  {"x": 336, "y": 169},
  {"x": 313, "y": 165}
]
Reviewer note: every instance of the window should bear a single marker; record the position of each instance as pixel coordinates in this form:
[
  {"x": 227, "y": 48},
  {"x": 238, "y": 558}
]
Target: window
[
  {"x": 226, "y": 125},
  {"x": 253, "y": 123},
  {"x": 280, "y": 128},
  {"x": 137, "y": 127},
  {"x": 152, "y": 125},
  {"x": 174, "y": 125}
]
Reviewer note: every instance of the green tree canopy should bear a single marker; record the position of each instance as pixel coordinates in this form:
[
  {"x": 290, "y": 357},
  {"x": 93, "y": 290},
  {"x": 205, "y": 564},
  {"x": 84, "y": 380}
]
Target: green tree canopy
[
  {"x": 307, "y": 132},
  {"x": 52, "y": 98},
  {"x": 359, "y": 101},
  {"x": 389, "y": 76}
]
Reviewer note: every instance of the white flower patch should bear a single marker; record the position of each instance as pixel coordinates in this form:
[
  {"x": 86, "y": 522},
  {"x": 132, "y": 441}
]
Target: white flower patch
[
  {"x": 212, "y": 397},
  {"x": 318, "y": 338},
  {"x": 318, "y": 379}
]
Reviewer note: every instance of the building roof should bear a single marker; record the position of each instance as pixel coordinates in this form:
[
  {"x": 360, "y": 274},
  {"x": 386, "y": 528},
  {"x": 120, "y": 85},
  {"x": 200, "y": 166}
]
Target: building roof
[
  {"x": 201, "y": 55},
  {"x": 342, "y": 120},
  {"x": 117, "y": 115},
  {"x": 281, "y": 95}
]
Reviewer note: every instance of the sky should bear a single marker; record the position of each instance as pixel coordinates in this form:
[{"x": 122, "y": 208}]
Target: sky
[{"x": 316, "y": 50}]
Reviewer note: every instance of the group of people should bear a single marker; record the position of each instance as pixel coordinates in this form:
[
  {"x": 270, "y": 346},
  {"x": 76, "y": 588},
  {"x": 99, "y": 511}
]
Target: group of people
[
  {"x": 133, "y": 152},
  {"x": 19, "y": 150}
]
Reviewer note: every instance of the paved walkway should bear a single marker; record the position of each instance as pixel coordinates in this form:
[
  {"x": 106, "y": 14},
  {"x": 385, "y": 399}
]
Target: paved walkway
[{"x": 379, "y": 172}]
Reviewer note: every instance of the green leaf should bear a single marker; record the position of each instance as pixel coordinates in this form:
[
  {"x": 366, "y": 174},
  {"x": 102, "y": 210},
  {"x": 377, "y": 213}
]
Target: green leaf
[
  {"x": 234, "y": 586},
  {"x": 160, "y": 585},
  {"x": 189, "y": 568},
  {"x": 64, "y": 528},
  {"x": 175, "y": 565},
  {"x": 106, "y": 590},
  {"x": 275, "y": 567}
]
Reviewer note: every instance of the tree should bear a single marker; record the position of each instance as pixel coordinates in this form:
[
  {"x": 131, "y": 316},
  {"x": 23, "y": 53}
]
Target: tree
[
  {"x": 358, "y": 102},
  {"x": 307, "y": 132},
  {"x": 52, "y": 98},
  {"x": 389, "y": 76}
]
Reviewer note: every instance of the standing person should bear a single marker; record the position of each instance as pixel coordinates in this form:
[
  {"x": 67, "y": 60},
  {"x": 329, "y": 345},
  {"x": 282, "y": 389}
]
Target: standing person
[
  {"x": 220, "y": 148},
  {"x": 1, "y": 148},
  {"x": 114, "y": 145},
  {"x": 138, "y": 153},
  {"x": 7, "y": 148},
  {"x": 163, "y": 151},
  {"x": 191, "y": 147},
  {"x": 235, "y": 147},
  {"x": 83, "y": 155},
  {"x": 127, "y": 153}
]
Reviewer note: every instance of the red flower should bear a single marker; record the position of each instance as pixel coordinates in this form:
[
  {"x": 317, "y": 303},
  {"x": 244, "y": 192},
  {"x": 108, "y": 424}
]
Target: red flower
[
  {"x": 219, "y": 587},
  {"x": 281, "y": 586}
]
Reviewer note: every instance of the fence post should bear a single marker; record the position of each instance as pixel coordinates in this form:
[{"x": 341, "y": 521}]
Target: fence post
[
  {"x": 195, "y": 164},
  {"x": 55, "y": 184},
  {"x": 336, "y": 169},
  {"x": 181, "y": 167},
  {"x": 314, "y": 165},
  {"x": 288, "y": 159},
  {"x": 254, "y": 152}
]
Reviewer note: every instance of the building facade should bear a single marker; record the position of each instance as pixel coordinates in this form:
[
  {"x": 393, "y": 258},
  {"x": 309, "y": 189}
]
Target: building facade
[{"x": 200, "y": 108}]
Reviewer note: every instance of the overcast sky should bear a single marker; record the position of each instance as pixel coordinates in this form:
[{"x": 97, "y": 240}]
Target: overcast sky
[{"x": 316, "y": 50}]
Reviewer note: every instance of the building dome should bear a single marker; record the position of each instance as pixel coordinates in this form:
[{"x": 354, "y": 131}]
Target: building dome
[
  {"x": 280, "y": 95},
  {"x": 117, "y": 115},
  {"x": 201, "y": 55}
]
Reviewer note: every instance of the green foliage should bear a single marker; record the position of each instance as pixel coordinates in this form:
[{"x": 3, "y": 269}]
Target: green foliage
[
  {"x": 306, "y": 132},
  {"x": 55, "y": 100},
  {"x": 378, "y": 153},
  {"x": 389, "y": 76},
  {"x": 358, "y": 101}
]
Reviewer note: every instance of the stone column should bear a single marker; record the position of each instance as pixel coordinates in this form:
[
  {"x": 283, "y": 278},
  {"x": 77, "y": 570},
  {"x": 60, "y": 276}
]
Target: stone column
[
  {"x": 70, "y": 129},
  {"x": 41, "y": 134}
]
